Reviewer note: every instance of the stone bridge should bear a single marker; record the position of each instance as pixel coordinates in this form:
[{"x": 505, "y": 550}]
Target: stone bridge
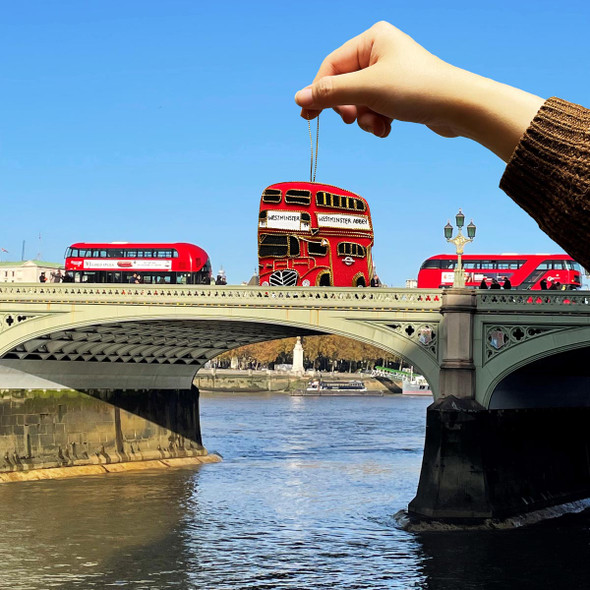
[{"x": 495, "y": 360}]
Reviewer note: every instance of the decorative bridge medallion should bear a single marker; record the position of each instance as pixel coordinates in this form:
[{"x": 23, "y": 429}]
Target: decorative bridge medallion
[
  {"x": 422, "y": 334},
  {"x": 502, "y": 337}
]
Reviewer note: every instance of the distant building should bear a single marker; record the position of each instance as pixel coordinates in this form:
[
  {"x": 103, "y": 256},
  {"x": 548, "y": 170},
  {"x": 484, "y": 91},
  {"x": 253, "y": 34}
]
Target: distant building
[
  {"x": 27, "y": 272},
  {"x": 411, "y": 283}
]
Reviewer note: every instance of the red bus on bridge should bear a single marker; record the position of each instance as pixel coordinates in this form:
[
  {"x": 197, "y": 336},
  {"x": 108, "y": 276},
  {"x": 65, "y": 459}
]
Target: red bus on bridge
[
  {"x": 146, "y": 262},
  {"x": 312, "y": 234},
  {"x": 525, "y": 271}
]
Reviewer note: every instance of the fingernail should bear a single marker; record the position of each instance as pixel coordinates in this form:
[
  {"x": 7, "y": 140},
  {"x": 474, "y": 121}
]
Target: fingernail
[{"x": 304, "y": 98}]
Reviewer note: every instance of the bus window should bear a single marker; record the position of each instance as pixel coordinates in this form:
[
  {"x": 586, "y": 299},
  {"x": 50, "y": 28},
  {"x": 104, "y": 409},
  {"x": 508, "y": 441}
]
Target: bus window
[
  {"x": 432, "y": 263},
  {"x": 326, "y": 199},
  {"x": 298, "y": 197},
  {"x": 278, "y": 246},
  {"x": 351, "y": 249},
  {"x": 271, "y": 195},
  {"x": 514, "y": 264},
  {"x": 317, "y": 248}
]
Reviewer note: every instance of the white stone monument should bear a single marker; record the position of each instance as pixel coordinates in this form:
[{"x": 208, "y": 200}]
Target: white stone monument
[{"x": 298, "y": 357}]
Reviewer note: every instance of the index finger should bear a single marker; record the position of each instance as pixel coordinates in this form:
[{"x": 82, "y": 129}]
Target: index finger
[{"x": 354, "y": 55}]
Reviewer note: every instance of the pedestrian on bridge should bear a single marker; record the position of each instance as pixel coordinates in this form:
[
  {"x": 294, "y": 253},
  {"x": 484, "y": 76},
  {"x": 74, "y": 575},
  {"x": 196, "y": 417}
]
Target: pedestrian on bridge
[{"x": 383, "y": 74}]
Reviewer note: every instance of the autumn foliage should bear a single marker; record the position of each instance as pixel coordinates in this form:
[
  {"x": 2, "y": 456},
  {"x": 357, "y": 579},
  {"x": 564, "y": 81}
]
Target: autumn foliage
[{"x": 320, "y": 352}]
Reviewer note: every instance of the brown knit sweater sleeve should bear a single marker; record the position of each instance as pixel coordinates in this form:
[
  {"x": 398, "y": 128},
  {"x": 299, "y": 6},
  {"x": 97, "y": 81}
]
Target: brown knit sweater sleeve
[{"x": 548, "y": 175}]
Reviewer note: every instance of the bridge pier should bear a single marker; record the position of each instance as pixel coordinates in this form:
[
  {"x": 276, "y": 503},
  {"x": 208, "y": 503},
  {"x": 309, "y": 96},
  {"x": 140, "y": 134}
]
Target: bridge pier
[
  {"x": 493, "y": 464},
  {"x": 482, "y": 463}
]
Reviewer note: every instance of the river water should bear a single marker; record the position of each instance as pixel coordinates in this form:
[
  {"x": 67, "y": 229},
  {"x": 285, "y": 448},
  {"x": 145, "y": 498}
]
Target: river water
[{"x": 305, "y": 498}]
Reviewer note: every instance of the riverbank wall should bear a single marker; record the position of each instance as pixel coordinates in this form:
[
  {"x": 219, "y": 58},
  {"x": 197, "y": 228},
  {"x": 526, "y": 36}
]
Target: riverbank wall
[
  {"x": 53, "y": 431},
  {"x": 249, "y": 381}
]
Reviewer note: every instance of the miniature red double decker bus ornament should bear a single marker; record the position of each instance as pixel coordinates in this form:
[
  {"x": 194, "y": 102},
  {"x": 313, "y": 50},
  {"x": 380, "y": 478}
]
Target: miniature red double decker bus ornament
[{"x": 312, "y": 234}]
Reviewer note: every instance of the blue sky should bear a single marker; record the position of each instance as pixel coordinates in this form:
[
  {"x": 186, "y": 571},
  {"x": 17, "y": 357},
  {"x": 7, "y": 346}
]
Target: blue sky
[{"x": 164, "y": 121}]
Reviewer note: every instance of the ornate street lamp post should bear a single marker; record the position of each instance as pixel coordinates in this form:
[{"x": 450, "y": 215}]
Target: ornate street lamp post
[{"x": 459, "y": 240}]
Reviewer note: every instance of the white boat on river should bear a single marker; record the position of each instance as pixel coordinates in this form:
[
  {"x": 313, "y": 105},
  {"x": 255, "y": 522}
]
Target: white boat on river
[
  {"x": 416, "y": 385},
  {"x": 319, "y": 387}
]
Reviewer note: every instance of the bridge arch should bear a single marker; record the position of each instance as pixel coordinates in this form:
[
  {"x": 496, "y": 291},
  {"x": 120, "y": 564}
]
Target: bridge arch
[{"x": 44, "y": 343}]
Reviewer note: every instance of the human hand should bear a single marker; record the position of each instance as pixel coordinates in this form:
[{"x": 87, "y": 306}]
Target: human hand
[{"x": 383, "y": 74}]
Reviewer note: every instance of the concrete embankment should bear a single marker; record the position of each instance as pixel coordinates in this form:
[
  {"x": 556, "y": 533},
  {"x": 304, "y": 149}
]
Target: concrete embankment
[
  {"x": 247, "y": 381},
  {"x": 104, "y": 468},
  {"x": 65, "y": 433}
]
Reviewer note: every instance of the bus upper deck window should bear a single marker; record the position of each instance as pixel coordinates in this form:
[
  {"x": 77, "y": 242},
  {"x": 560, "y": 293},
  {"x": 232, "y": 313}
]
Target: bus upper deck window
[
  {"x": 298, "y": 197},
  {"x": 432, "y": 263},
  {"x": 359, "y": 205},
  {"x": 271, "y": 195},
  {"x": 326, "y": 199}
]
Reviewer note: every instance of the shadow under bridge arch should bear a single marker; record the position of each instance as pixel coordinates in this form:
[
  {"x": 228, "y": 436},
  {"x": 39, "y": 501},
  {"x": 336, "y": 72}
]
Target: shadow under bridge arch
[
  {"x": 132, "y": 354},
  {"x": 166, "y": 353},
  {"x": 548, "y": 371}
]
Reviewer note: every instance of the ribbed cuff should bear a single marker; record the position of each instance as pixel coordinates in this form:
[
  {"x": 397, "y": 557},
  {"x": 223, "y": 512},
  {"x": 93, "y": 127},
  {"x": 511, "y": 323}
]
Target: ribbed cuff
[{"x": 548, "y": 174}]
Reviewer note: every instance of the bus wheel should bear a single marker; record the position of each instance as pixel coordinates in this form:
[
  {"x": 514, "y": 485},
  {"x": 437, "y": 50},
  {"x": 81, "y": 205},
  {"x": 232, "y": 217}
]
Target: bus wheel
[{"x": 325, "y": 280}]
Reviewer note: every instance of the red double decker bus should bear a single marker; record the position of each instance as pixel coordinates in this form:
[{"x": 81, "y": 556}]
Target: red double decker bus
[
  {"x": 124, "y": 262},
  {"x": 525, "y": 271},
  {"x": 312, "y": 234}
]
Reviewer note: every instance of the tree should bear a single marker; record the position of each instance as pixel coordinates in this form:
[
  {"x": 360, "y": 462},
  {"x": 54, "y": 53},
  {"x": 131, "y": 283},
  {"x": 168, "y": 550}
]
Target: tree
[{"x": 320, "y": 352}]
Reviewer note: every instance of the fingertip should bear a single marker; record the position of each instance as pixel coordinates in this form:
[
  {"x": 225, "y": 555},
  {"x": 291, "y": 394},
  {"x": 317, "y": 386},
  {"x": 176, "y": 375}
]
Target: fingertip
[
  {"x": 348, "y": 113},
  {"x": 384, "y": 131},
  {"x": 304, "y": 97},
  {"x": 373, "y": 123},
  {"x": 309, "y": 114}
]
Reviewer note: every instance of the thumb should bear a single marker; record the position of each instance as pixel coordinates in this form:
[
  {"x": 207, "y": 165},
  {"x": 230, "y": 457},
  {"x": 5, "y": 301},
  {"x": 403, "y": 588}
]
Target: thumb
[{"x": 333, "y": 91}]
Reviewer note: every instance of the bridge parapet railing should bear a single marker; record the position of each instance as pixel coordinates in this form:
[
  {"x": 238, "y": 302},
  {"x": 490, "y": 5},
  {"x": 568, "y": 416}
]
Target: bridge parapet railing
[
  {"x": 561, "y": 302},
  {"x": 213, "y": 295}
]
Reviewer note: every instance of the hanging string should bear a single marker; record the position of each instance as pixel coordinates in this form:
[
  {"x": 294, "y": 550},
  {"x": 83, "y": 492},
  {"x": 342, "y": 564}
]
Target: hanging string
[{"x": 313, "y": 166}]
